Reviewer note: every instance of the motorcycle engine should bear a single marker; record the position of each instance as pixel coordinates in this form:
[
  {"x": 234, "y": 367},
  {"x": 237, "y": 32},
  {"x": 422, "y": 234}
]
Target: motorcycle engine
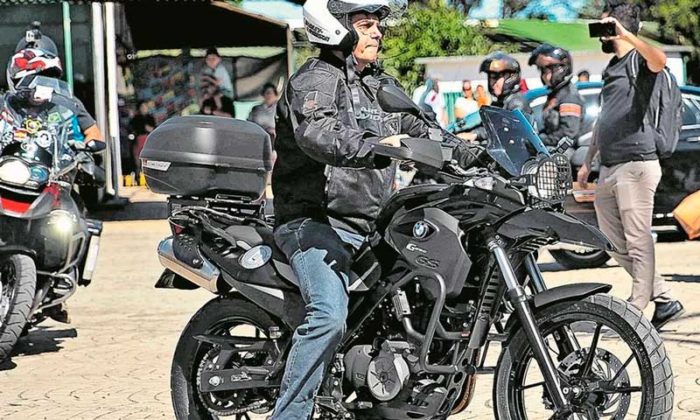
[{"x": 384, "y": 374}]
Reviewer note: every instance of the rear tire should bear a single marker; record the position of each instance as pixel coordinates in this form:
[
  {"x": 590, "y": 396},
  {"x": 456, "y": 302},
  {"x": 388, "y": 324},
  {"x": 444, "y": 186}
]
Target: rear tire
[
  {"x": 573, "y": 260},
  {"x": 189, "y": 352},
  {"x": 18, "y": 277}
]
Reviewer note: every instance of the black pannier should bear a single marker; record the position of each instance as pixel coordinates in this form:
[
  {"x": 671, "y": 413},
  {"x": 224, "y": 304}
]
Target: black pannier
[{"x": 200, "y": 155}]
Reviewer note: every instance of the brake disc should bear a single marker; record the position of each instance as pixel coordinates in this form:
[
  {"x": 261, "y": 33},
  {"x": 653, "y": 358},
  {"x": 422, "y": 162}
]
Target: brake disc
[{"x": 605, "y": 366}]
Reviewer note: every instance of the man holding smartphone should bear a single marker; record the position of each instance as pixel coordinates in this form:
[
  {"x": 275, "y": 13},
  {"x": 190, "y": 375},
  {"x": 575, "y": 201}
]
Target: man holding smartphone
[{"x": 630, "y": 170}]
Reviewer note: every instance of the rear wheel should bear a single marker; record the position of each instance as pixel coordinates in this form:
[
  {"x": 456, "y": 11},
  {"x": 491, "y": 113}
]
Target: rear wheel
[
  {"x": 17, "y": 288},
  {"x": 574, "y": 260},
  {"x": 619, "y": 370},
  {"x": 225, "y": 317}
]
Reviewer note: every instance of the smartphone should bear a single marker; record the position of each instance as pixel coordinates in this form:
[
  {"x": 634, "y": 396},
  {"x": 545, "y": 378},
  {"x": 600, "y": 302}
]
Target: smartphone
[{"x": 601, "y": 29}]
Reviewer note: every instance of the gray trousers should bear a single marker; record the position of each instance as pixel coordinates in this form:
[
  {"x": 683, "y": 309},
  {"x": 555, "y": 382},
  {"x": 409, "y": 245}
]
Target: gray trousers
[{"x": 624, "y": 207}]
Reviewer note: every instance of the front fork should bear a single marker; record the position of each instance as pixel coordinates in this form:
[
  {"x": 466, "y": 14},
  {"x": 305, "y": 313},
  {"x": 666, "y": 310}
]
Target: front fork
[{"x": 519, "y": 299}]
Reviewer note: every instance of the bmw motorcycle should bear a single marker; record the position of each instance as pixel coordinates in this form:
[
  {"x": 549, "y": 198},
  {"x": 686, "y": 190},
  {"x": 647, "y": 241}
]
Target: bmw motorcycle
[
  {"x": 47, "y": 246},
  {"x": 449, "y": 277}
]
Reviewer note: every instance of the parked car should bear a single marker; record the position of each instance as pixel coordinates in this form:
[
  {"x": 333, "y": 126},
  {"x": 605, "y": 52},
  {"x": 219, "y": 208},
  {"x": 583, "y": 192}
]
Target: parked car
[{"x": 681, "y": 172}]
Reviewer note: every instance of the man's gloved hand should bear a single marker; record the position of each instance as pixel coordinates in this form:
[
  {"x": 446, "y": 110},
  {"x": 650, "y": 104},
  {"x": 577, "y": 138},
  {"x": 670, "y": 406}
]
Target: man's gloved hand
[{"x": 393, "y": 141}]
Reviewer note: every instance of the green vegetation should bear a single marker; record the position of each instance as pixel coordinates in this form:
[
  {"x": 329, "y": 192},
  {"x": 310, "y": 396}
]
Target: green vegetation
[{"x": 431, "y": 29}]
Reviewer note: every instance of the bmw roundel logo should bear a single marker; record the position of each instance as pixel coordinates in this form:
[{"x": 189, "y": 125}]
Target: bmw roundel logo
[{"x": 420, "y": 230}]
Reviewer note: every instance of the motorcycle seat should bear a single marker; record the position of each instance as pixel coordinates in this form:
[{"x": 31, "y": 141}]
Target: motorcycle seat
[{"x": 365, "y": 270}]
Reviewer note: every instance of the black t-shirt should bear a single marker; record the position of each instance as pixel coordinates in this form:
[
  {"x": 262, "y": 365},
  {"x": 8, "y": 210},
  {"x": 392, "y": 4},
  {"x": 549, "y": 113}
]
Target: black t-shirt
[
  {"x": 226, "y": 106},
  {"x": 624, "y": 133}
]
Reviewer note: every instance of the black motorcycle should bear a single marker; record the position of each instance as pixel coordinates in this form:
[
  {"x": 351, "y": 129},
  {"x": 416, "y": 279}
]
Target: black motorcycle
[
  {"x": 449, "y": 274},
  {"x": 47, "y": 246}
]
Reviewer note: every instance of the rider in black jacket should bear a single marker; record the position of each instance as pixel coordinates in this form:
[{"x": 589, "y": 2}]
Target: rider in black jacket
[
  {"x": 563, "y": 112},
  {"x": 328, "y": 117},
  {"x": 328, "y": 183}
]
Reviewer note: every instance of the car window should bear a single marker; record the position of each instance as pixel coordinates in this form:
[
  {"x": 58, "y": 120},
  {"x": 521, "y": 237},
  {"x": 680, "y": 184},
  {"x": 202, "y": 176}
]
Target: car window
[{"x": 691, "y": 110}]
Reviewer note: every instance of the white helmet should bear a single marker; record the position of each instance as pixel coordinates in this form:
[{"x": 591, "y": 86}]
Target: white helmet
[{"x": 327, "y": 22}]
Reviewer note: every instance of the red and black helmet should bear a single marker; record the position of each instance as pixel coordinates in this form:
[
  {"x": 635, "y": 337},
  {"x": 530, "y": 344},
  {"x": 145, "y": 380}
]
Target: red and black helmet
[
  {"x": 556, "y": 59},
  {"x": 34, "y": 55},
  {"x": 500, "y": 64},
  {"x": 32, "y": 62}
]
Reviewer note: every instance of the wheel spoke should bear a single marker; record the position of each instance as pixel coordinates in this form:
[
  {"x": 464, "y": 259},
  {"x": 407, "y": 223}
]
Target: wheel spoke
[
  {"x": 622, "y": 369},
  {"x": 524, "y": 387},
  {"x": 622, "y": 390},
  {"x": 591, "y": 352}
]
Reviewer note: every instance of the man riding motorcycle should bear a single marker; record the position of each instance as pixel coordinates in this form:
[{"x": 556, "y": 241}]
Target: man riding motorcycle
[
  {"x": 563, "y": 112},
  {"x": 37, "y": 55},
  {"x": 328, "y": 184}
]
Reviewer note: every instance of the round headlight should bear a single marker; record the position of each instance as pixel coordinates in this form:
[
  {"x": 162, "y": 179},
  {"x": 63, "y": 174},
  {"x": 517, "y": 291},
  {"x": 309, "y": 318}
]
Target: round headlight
[
  {"x": 14, "y": 172},
  {"x": 62, "y": 221}
]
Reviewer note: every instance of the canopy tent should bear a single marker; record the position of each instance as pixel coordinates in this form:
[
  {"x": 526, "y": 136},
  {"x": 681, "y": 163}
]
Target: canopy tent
[{"x": 154, "y": 25}]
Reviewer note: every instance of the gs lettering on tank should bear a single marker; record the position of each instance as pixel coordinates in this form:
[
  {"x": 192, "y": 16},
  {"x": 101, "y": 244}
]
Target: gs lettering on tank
[{"x": 429, "y": 238}]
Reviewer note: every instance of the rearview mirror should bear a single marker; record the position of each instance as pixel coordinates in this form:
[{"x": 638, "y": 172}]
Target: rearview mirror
[{"x": 393, "y": 99}]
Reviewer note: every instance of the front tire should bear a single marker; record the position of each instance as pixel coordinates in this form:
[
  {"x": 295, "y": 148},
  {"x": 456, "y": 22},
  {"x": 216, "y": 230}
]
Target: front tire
[
  {"x": 215, "y": 317},
  {"x": 655, "y": 389},
  {"x": 574, "y": 260},
  {"x": 17, "y": 289}
]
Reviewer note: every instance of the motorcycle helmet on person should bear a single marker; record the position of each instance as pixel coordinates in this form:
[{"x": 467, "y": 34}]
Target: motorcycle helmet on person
[
  {"x": 501, "y": 65},
  {"x": 554, "y": 62},
  {"x": 34, "y": 55}
]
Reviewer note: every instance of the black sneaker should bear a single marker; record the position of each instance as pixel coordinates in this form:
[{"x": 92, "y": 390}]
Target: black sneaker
[{"x": 666, "y": 312}]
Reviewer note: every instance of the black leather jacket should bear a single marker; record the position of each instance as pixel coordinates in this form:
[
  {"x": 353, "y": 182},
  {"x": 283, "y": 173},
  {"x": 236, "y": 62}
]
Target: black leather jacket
[
  {"x": 325, "y": 167},
  {"x": 562, "y": 115}
]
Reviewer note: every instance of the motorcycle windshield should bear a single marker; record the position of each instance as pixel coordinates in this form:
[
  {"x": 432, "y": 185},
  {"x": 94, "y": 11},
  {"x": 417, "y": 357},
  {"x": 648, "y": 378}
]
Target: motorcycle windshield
[
  {"x": 39, "y": 136},
  {"x": 512, "y": 140}
]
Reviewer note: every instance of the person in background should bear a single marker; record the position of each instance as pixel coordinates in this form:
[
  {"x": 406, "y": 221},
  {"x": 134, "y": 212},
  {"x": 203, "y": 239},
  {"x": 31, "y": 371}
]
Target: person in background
[
  {"x": 466, "y": 104},
  {"x": 482, "y": 98},
  {"x": 140, "y": 126},
  {"x": 503, "y": 72},
  {"x": 215, "y": 73},
  {"x": 418, "y": 92},
  {"x": 584, "y": 76},
  {"x": 214, "y": 102},
  {"x": 264, "y": 114},
  {"x": 630, "y": 170},
  {"x": 562, "y": 114},
  {"x": 432, "y": 100}
]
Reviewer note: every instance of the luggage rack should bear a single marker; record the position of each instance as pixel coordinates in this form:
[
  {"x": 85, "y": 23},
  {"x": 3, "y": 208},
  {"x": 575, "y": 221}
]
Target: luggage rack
[{"x": 233, "y": 205}]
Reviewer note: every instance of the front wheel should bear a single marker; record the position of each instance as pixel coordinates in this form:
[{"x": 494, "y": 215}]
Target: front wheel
[
  {"x": 223, "y": 317},
  {"x": 618, "y": 370},
  {"x": 17, "y": 288}
]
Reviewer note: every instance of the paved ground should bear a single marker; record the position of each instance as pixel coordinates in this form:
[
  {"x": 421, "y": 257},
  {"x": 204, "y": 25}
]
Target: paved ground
[{"x": 113, "y": 361}]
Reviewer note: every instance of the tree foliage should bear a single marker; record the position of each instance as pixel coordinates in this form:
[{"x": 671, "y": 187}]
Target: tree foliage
[{"x": 431, "y": 29}]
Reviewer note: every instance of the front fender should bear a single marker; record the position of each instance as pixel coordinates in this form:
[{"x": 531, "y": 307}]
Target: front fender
[
  {"x": 561, "y": 226},
  {"x": 567, "y": 293}
]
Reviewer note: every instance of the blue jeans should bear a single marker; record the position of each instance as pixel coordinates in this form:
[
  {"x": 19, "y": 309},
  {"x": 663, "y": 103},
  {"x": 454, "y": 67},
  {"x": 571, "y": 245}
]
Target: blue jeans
[{"x": 320, "y": 256}]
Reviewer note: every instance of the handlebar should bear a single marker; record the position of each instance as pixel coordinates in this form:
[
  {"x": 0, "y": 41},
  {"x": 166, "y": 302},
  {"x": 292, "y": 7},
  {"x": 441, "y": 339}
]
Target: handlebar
[{"x": 427, "y": 152}]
